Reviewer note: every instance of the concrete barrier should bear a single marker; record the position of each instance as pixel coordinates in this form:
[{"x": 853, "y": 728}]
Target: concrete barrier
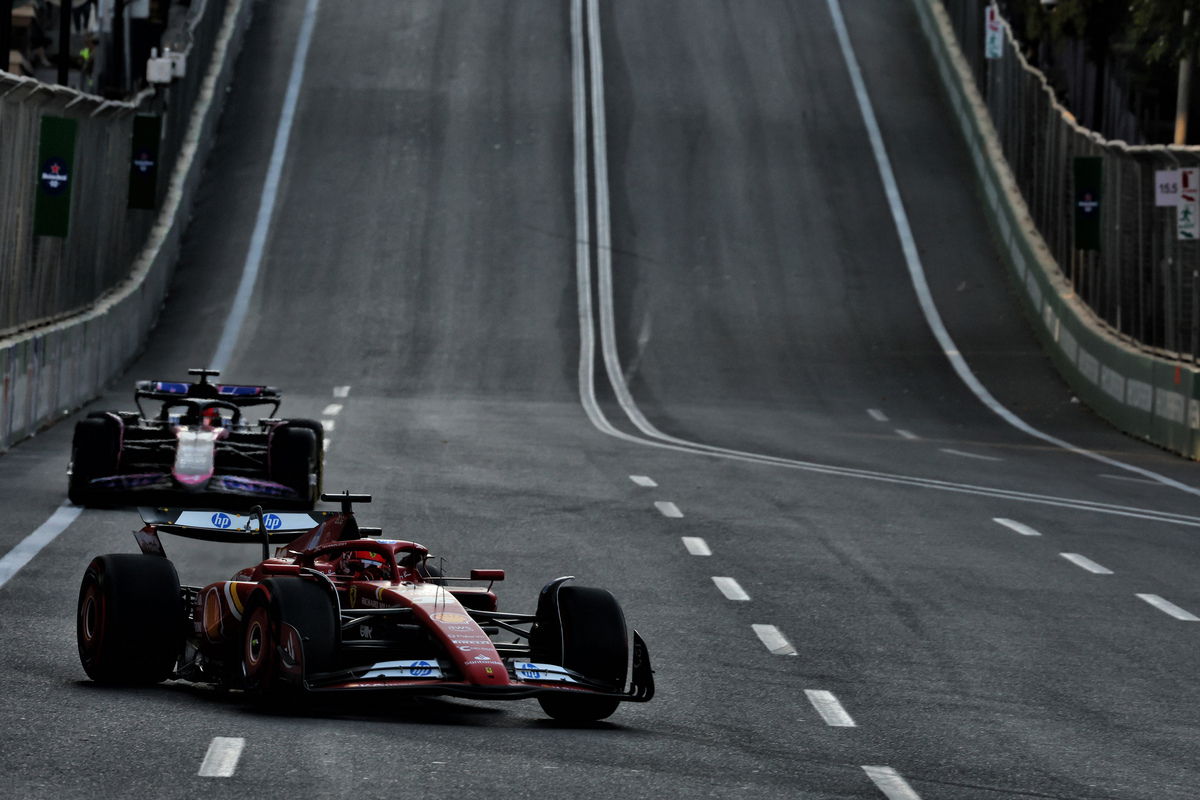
[
  {"x": 1148, "y": 397},
  {"x": 48, "y": 372}
]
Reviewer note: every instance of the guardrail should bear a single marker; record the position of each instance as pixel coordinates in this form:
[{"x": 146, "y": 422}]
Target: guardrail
[
  {"x": 1147, "y": 395},
  {"x": 47, "y": 371}
]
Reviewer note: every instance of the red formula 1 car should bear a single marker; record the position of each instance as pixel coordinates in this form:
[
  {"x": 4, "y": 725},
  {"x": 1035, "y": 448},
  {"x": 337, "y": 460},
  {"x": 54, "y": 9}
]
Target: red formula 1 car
[
  {"x": 338, "y": 609},
  {"x": 197, "y": 442}
]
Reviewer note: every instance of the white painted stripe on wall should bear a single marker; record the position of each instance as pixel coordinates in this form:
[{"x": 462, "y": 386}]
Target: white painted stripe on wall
[{"x": 221, "y": 760}]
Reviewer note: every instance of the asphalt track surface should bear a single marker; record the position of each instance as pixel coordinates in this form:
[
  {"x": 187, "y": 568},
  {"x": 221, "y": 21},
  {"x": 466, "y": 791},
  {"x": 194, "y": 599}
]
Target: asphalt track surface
[{"x": 423, "y": 252}]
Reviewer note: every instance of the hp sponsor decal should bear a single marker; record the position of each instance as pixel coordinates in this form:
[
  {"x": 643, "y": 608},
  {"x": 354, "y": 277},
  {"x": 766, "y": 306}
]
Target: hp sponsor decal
[
  {"x": 529, "y": 672},
  {"x": 273, "y": 522},
  {"x": 421, "y": 669},
  {"x": 222, "y": 521}
]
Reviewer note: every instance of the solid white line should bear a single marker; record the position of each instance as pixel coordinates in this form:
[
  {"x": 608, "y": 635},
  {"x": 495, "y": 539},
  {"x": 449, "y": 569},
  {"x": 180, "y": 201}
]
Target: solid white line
[
  {"x": 907, "y": 434},
  {"x": 656, "y": 438},
  {"x": 1020, "y": 528},
  {"x": 830, "y": 709},
  {"x": 1129, "y": 479},
  {"x": 770, "y": 636},
  {"x": 328, "y": 425},
  {"x": 696, "y": 546},
  {"x": 891, "y": 784},
  {"x": 916, "y": 270},
  {"x": 32, "y": 544},
  {"x": 270, "y": 193},
  {"x": 730, "y": 588},
  {"x": 222, "y": 757},
  {"x": 1086, "y": 563},
  {"x": 642, "y": 480},
  {"x": 668, "y": 509},
  {"x": 341, "y": 391},
  {"x": 965, "y": 454},
  {"x": 877, "y": 415},
  {"x": 332, "y": 410},
  {"x": 1168, "y": 607}
]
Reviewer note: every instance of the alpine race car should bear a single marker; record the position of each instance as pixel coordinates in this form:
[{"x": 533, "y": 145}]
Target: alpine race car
[
  {"x": 339, "y": 609},
  {"x": 197, "y": 442}
]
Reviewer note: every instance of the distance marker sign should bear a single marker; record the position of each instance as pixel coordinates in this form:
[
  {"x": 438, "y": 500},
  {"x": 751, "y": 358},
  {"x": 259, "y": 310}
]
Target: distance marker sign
[{"x": 55, "y": 175}]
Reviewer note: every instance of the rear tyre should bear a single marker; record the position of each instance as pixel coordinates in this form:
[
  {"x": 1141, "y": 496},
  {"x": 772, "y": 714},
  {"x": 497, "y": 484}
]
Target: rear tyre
[
  {"x": 95, "y": 450},
  {"x": 587, "y": 635},
  {"x": 306, "y": 607},
  {"x": 294, "y": 457},
  {"x": 130, "y": 619}
]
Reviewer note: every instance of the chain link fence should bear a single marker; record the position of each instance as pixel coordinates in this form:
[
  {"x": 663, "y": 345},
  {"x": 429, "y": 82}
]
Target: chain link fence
[
  {"x": 42, "y": 278},
  {"x": 1143, "y": 281}
]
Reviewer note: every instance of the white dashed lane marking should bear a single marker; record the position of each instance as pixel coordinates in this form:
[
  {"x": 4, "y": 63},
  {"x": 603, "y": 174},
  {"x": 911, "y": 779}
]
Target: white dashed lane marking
[
  {"x": 1020, "y": 528},
  {"x": 642, "y": 480},
  {"x": 829, "y": 708},
  {"x": 891, "y": 784},
  {"x": 696, "y": 546},
  {"x": 222, "y": 757},
  {"x": 1167, "y": 607},
  {"x": 332, "y": 410},
  {"x": 328, "y": 425},
  {"x": 964, "y": 454},
  {"x": 668, "y": 509},
  {"x": 907, "y": 434},
  {"x": 877, "y": 415},
  {"x": 775, "y": 641},
  {"x": 730, "y": 588},
  {"x": 341, "y": 391},
  {"x": 1086, "y": 563},
  {"x": 32, "y": 544}
]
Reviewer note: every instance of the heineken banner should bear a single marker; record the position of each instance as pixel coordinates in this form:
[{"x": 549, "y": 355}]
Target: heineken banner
[
  {"x": 143, "y": 161},
  {"x": 55, "y": 175},
  {"x": 1089, "y": 180}
]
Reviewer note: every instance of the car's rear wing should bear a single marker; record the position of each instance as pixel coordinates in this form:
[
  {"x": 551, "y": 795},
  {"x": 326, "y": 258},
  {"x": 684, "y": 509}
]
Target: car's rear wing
[
  {"x": 227, "y": 526},
  {"x": 237, "y": 394}
]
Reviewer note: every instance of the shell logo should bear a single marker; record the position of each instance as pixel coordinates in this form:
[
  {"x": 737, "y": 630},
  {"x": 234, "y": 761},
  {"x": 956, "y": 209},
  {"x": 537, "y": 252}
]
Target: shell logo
[{"x": 449, "y": 616}]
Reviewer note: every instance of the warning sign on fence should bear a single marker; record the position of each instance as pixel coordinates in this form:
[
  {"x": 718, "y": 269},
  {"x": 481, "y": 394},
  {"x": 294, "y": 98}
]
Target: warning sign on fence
[
  {"x": 993, "y": 33},
  {"x": 1186, "y": 224}
]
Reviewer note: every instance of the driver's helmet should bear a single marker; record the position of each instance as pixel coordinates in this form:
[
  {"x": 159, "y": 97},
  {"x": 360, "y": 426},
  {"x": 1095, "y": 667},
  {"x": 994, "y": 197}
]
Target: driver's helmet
[
  {"x": 211, "y": 418},
  {"x": 363, "y": 564}
]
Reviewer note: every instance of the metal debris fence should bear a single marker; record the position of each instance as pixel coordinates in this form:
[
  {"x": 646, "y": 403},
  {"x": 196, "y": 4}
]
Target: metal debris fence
[
  {"x": 44, "y": 279},
  {"x": 1144, "y": 281}
]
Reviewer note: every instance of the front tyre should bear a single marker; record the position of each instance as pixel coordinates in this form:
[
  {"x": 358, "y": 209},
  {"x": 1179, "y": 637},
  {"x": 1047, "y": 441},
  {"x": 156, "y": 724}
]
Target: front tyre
[
  {"x": 273, "y": 671},
  {"x": 129, "y": 619}
]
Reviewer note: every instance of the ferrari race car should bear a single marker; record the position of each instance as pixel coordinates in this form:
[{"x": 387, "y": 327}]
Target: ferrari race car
[
  {"x": 197, "y": 442},
  {"x": 338, "y": 609}
]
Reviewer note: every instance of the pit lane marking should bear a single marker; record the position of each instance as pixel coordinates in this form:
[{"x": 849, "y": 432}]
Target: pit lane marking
[
  {"x": 964, "y": 454},
  {"x": 222, "y": 757},
  {"x": 696, "y": 546},
  {"x": 1086, "y": 563},
  {"x": 877, "y": 415},
  {"x": 730, "y": 588},
  {"x": 830, "y": 709},
  {"x": 1167, "y": 607},
  {"x": 341, "y": 391},
  {"x": 774, "y": 641},
  {"x": 643, "y": 480},
  {"x": 332, "y": 410},
  {"x": 1020, "y": 528},
  {"x": 668, "y": 509},
  {"x": 912, "y": 437},
  {"x": 32, "y": 544},
  {"x": 890, "y": 782}
]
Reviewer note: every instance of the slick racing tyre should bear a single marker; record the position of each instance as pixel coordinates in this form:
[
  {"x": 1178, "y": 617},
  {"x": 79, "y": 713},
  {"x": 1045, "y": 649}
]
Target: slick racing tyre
[
  {"x": 95, "y": 450},
  {"x": 306, "y": 607},
  {"x": 295, "y": 455},
  {"x": 584, "y": 630},
  {"x": 130, "y": 621}
]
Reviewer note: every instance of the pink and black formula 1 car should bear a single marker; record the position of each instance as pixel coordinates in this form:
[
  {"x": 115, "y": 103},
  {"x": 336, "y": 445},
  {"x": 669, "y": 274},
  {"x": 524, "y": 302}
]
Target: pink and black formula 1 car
[
  {"x": 197, "y": 442},
  {"x": 339, "y": 609}
]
